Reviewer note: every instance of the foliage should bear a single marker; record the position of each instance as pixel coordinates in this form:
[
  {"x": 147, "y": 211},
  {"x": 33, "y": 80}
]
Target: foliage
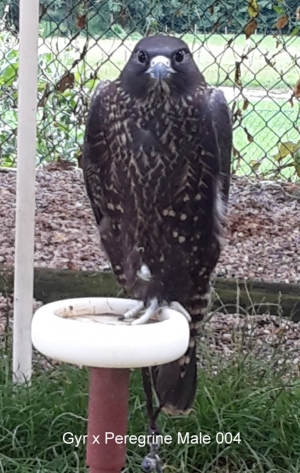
[
  {"x": 8, "y": 98},
  {"x": 171, "y": 15},
  {"x": 65, "y": 87},
  {"x": 62, "y": 105},
  {"x": 68, "y": 71},
  {"x": 258, "y": 399}
]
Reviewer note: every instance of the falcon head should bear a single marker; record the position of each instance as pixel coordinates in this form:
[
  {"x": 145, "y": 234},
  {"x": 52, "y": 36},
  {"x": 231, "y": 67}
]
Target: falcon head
[{"x": 162, "y": 62}]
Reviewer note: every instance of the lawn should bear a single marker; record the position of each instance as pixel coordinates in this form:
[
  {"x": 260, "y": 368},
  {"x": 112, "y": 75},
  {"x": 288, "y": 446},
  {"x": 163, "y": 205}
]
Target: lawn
[
  {"x": 245, "y": 397},
  {"x": 266, "y": 122},
  {"x": 269, "y": 63}
]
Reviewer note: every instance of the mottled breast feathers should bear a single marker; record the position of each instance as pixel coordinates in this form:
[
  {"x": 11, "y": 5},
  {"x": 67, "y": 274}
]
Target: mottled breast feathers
[
  {"x": 156, "y": 165},
  {"x": 149, "y": 165}
]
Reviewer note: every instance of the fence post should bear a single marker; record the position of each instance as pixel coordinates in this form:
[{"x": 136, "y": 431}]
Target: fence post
[{"x": 25, "y": 198}]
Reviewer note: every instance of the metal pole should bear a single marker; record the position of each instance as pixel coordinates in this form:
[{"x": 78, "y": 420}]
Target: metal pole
[
  {"x": 25, "y": 201},
  {"x": 108, "y": 418}
]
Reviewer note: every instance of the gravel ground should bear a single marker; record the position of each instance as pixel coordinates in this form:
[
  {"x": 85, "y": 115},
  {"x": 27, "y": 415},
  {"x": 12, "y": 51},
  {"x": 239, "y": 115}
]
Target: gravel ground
[
  {"x": 263, "y": 230},
  {"x": 266, "y": 337},
  {"x": 271, "y": 339},
  {"x": 263, "y": 235}
]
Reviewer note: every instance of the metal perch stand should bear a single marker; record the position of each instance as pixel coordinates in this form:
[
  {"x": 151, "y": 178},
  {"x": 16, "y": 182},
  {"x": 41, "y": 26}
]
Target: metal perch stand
[
  {"x": 108, "y": 409},
  {"x": 87, "y": 331}
]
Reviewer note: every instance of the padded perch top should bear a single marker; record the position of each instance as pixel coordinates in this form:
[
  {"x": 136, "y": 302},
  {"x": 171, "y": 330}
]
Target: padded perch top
[{"x": 86, "y": 331}]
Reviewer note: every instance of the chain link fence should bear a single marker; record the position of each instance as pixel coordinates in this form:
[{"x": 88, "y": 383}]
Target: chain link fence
[{"x": 249, "y": 48}]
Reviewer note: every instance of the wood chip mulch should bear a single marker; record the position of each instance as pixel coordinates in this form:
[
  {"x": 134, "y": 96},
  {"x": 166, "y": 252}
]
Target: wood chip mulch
[{"x": 263, "y": 243}]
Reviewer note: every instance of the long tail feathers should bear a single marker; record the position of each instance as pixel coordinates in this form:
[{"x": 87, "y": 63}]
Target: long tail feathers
[{"x": 176, "y": 383}]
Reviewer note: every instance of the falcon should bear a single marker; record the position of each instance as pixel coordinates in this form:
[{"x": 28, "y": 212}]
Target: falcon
[{"x": 156, "y": 163}]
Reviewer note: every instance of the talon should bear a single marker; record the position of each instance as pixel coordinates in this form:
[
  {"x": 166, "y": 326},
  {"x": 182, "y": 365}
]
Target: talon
[
  {"x": 133, "y": 312},
  {"x": 179, "y": 308},
  {"x": 151, "y": 309}
]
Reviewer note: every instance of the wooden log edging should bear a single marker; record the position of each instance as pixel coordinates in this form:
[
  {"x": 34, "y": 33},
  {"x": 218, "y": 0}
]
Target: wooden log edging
[{"x": 231, "y": 295}]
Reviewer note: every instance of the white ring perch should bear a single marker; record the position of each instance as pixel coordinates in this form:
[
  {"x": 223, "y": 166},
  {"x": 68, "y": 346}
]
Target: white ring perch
[{"x": 86, "y": 331}]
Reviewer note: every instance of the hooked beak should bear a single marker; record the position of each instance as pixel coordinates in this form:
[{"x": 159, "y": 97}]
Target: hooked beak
[{"x": 160, "y": 68}]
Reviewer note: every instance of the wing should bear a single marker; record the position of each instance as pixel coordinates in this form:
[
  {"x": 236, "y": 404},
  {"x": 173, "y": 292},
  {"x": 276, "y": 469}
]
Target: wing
[
  {"x": 93, "y": 155},
  {"x": 211, "y": 142},
  {"x": 222, "y": 121},
  {"x": 97, "y": 159}
]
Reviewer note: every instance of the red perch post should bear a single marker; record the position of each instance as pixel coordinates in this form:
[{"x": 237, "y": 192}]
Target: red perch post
[{"x": 108, "y": 412}]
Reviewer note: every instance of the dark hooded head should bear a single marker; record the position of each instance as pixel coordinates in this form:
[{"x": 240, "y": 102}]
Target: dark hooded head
[{"x": 161, "y": 61}]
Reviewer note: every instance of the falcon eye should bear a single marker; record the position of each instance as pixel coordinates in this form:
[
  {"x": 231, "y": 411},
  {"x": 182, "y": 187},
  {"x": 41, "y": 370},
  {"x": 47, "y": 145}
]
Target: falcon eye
[
  {"x": 142, "y": 57},
  {"x": 179, "y": 56}
]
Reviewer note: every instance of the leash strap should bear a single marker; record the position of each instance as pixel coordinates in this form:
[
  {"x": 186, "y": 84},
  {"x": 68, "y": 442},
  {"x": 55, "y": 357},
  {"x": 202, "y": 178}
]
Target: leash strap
[{"x": 151, "y": 462}]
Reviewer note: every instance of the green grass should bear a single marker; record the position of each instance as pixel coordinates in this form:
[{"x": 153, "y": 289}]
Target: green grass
[
  {"x": 214, "y": 55},
  {"x": 268, "y": 123},
  {"x": 245, "y": 397}
]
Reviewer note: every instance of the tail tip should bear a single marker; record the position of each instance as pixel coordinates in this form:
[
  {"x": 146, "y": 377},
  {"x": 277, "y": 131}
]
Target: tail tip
[{"x": 175, "y": 411}]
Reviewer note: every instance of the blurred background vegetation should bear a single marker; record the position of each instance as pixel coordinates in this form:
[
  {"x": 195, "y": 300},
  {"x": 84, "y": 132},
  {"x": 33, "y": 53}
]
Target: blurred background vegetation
[
  {"x": 250, "y": 48},
  {"x": 127, "y": 16}
]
